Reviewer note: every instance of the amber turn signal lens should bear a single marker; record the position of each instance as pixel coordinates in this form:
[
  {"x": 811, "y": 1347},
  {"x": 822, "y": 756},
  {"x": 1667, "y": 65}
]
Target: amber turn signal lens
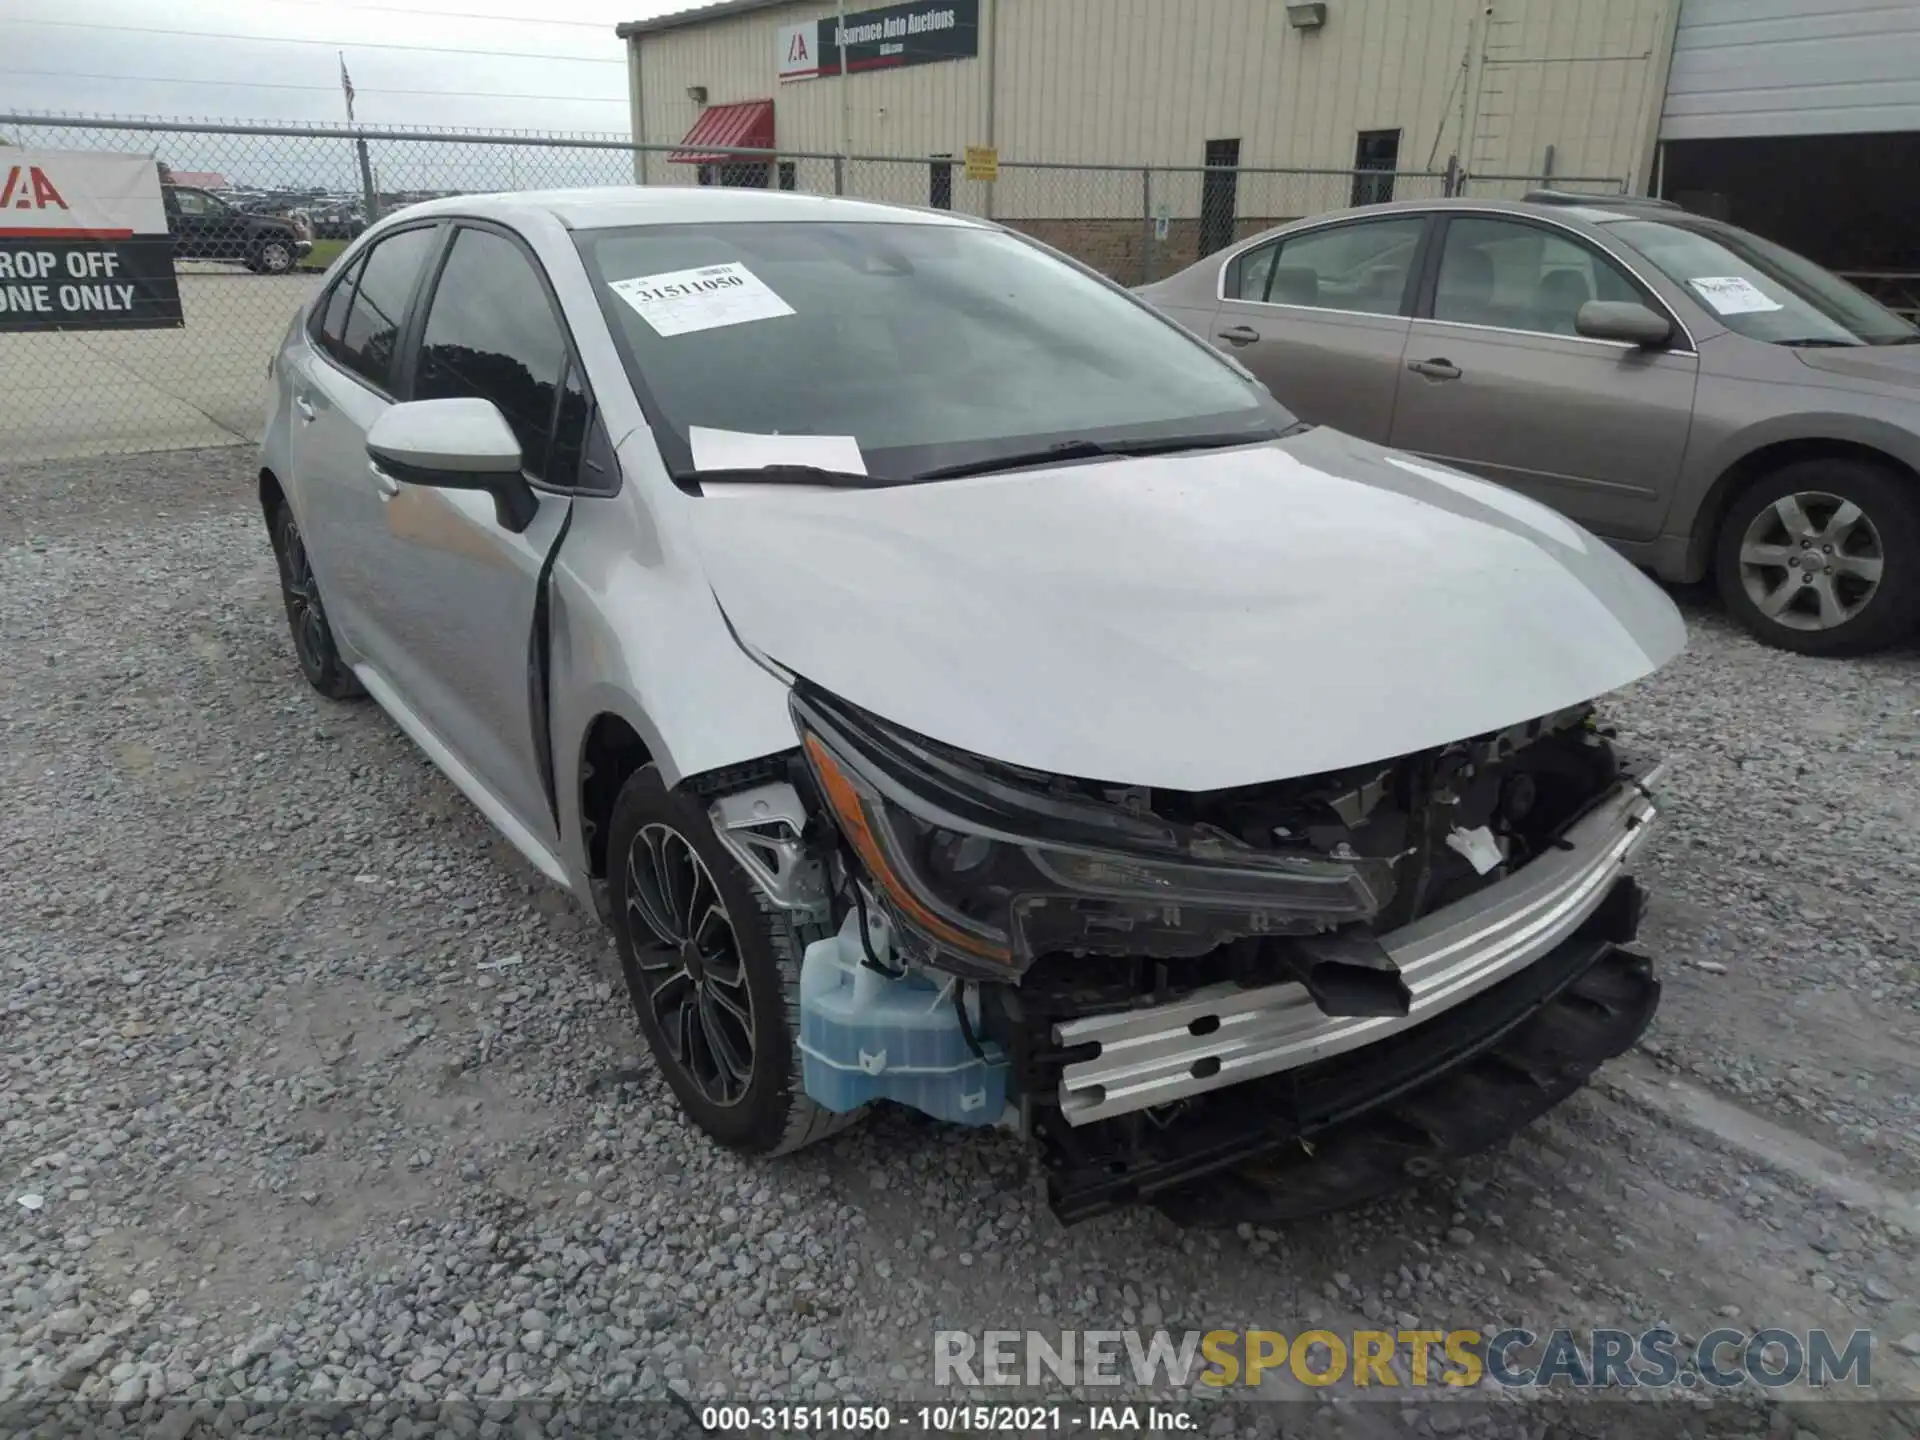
[{"x": 851, "y": 811}]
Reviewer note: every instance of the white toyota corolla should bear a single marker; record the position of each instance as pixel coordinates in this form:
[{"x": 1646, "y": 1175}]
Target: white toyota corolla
[{"x": 956, "y": 685}]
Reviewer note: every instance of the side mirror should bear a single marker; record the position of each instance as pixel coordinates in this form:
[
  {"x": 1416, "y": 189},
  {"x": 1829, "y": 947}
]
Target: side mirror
[
  {"x": 1622, "y": 320},
  {"x": 460, "y": 444}
]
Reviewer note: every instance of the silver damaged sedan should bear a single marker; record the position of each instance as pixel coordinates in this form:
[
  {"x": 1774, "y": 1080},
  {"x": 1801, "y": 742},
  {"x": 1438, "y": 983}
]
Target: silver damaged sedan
[{"x": 955, "y": 685}]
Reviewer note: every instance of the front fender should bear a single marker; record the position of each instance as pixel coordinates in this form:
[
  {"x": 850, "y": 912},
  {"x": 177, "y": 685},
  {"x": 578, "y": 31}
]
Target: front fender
[
  {"x": 637, "y": 634},
  {"x": 1737, "y": 421}
]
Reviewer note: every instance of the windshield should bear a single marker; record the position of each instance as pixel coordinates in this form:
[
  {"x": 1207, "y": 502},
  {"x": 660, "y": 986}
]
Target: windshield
[
  {"x": 928, "y": 347},
  {"x": 1760, "y": 290}
]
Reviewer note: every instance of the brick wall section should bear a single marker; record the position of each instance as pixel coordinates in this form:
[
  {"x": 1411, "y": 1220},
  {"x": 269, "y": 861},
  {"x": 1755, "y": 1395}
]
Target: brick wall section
[{"x": 1115, "y": 247}]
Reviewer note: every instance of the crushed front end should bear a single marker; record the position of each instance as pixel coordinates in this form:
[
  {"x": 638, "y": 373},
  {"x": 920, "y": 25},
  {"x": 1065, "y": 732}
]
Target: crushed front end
[{"x": 1244, "y": 1004}]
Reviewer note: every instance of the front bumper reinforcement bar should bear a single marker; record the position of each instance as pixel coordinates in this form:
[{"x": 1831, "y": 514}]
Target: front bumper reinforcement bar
[{"x": 1225, "y": 1036}]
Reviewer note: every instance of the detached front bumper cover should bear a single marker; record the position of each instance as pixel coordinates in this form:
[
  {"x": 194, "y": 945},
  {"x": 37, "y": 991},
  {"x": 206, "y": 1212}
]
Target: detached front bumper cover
[{"x": 1225, "y": 1035}]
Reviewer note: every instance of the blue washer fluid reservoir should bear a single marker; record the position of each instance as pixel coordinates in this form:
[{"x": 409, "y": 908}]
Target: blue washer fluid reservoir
[{"x": 866, "y": 1036}]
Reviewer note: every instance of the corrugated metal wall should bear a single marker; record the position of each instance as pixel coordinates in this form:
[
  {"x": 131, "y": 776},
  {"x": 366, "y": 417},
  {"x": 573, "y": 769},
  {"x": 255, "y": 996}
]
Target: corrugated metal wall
[
  {"x": 1793, "y": 67},
  {"x": 925, "y": 110},
  {"x": 1149, "y": 82}
]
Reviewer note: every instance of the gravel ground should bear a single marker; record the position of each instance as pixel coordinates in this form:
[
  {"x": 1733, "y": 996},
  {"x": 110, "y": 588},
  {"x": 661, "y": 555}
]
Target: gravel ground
[{"x": 311, "y": 1090}]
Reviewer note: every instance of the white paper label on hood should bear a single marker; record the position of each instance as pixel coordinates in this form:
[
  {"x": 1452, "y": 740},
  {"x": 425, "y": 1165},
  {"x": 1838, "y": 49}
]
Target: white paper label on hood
[
  {"x": 742, "y": 450},
  {"x": 678, "y": 302},
  {"x": 1732, "y": 294}
]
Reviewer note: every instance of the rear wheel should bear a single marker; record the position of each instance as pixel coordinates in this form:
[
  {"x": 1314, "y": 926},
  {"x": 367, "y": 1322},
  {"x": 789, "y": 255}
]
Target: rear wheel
[
  {"x": 1823, "y": 557},
  {"x": 313, "y": 643},
  {"x": 713, "y": 970}
]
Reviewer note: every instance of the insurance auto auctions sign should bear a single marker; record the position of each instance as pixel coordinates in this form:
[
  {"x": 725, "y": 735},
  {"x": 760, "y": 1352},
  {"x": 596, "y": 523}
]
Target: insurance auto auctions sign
[
  {"x": 917, "y": 33},
  {"x": 84, "y": 243}
]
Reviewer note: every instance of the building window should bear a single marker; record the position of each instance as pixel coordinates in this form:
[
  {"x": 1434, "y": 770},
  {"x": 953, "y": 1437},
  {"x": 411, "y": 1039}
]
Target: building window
[
  {"x": 1219, "y": 193},
  {"x": 940, "y": 182},
  {"x": 788, "y": 175},
  {"x": 740, "y": 174},
  {"x": 745, "y": 174},
  {"x": 1375, "y": 150}
]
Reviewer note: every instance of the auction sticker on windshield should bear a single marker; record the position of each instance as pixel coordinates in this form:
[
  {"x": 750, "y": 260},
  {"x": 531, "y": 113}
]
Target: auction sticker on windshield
[
  {"x": 1732, "y": 294},
  {"x": 678, "y": 302}
]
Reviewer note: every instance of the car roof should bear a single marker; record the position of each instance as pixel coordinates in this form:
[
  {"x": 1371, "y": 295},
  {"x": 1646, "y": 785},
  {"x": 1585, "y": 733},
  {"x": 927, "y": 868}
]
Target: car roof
[
  {"x": 613, "y": 206},
  {"x": 1590, "y": 209}
]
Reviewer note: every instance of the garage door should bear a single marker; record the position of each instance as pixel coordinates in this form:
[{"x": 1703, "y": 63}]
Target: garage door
[{"x": 1793, "y": 67}]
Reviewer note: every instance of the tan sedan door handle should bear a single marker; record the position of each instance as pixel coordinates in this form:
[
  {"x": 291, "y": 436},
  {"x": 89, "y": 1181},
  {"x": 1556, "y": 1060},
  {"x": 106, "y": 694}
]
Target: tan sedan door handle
[
  {"x": 1437, "y": 368},
  {"x": 1240, "y": 335}
]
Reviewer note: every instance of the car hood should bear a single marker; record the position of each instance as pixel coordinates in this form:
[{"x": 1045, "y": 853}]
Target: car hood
[{"x": 1196, "y": 621}]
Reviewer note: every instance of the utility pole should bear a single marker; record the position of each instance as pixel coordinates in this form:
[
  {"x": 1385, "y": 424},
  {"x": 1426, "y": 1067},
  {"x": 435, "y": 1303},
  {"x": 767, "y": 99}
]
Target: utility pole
[{"x": 846, "y": 103}]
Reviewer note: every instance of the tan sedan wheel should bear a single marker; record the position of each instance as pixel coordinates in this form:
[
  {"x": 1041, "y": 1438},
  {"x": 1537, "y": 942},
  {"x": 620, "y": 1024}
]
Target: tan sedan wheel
[{"x": 1823, "y": 557}]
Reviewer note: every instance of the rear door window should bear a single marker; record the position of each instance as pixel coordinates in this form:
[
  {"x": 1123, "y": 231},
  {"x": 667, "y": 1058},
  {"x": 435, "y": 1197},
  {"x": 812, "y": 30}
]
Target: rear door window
[
  {"x": 378, "y": 310},
  {"x": 1360, "y": 267},
  {"x": 330, "y": 316}
]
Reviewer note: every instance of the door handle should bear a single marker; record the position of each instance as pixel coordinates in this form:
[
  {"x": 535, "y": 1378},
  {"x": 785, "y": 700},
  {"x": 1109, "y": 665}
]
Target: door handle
[
  {"x": 1240, "y": 335},
  {"x": 1437, "y": 368},
  {"x": 383, "y": 482},
  {"x": 301, "y": 404}
]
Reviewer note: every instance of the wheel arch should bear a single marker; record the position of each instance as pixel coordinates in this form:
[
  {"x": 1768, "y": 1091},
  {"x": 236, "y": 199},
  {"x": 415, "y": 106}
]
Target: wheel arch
[
  {"x": 272, "y": 494},
  {"x": 1763, "y": 459},
  {"x": 612, "y": 747}
]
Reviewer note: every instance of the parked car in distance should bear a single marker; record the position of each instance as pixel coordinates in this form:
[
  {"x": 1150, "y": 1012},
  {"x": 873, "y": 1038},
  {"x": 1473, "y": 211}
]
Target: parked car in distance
[
  {"x": 337, "y": 219},
  {"x": 955, "y": 684},
  {"x": 205, "y": 227},
  {"x": 1712, "y": 404}
]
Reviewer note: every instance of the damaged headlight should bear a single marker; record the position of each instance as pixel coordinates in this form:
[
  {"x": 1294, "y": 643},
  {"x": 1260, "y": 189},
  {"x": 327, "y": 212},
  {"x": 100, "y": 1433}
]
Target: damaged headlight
[{"x": 988, "y": 873}]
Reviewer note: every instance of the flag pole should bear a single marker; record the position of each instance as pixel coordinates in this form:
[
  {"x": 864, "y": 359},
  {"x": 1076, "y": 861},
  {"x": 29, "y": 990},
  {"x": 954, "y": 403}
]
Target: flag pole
[{"x": 368, "y": 201}]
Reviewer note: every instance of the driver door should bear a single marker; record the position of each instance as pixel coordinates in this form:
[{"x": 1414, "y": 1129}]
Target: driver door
[
  {"x": 1497, "y": 381},
  {"x": 196, "y": 219},
  {"x": 455, "y": 596}
]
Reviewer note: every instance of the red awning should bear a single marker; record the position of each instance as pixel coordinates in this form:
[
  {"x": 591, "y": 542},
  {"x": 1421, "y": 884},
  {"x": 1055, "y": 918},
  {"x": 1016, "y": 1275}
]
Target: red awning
[{"x": 745, "y": 126}]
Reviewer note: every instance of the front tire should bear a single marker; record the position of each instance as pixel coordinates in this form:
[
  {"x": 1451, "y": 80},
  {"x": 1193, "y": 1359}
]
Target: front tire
[
  {"x": 1822, "y": 557},
  {"x": 313, "y": 643},
  {"x": 713, "y": 971},
  {"x": 273, "y": 257}
]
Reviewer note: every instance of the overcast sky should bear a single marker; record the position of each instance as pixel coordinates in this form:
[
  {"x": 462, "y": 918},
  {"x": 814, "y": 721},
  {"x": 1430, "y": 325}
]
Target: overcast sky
[{"x": 563, "y": 70}]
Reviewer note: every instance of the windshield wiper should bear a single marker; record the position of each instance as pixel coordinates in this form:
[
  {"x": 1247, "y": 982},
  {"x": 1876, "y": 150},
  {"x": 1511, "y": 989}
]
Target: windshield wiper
[
  {"x": 788, "y": 474},
  {"x": 1095, "y": 449},
  {"x": 1820, "y": 342}
]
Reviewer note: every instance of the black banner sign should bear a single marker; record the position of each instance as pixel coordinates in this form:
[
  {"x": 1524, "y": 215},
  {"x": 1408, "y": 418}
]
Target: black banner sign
[
  {"x": 84, "y": 243},
  {"x": 87, "y": 284},
  {"x": 917, "y": 33}
]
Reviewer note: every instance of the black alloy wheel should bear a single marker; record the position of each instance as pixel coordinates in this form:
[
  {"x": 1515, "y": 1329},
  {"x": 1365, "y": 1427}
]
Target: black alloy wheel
[
  {"x": 694, "y": 978},
  {"x": 313, "y": 644}
]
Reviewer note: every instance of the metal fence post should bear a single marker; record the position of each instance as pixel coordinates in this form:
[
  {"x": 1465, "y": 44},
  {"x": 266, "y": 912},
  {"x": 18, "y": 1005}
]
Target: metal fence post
[
  {"x": 1453, "y": 176},
  {"x": 368, "y": 198},
  {"x": 1146, "y": 224},
  {"x": 839, "y": 174}
]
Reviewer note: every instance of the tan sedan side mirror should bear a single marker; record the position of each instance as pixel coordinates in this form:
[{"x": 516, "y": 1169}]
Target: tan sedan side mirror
[{"x": 1622, "y": 320}]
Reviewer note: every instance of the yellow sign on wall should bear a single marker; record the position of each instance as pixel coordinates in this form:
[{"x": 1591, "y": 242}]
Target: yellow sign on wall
[{"x": 983, "y": 162}]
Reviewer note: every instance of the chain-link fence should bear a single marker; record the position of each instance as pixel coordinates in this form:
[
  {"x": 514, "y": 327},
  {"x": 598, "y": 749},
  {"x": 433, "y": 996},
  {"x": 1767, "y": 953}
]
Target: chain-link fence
[{"x": 257, "y": 212}]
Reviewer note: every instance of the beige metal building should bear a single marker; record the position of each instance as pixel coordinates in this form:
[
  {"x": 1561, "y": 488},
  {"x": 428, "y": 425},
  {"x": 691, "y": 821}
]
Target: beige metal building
[{"x": 1512, "y": 88}]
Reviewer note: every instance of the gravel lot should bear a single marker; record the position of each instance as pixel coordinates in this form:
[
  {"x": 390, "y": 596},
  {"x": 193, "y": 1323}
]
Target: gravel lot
[{"x": 323, "y": 1095}]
